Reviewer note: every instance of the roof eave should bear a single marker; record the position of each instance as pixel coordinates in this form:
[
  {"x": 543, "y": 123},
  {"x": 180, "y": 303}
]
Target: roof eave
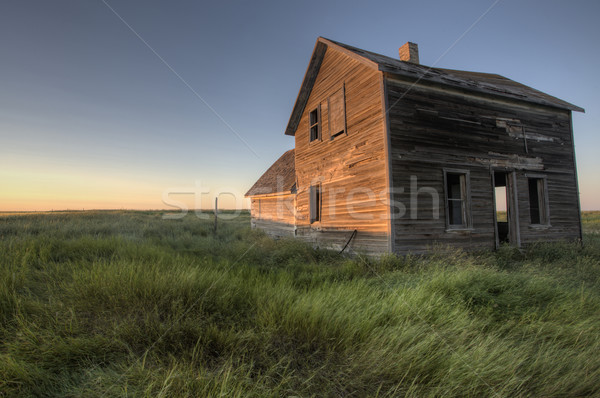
[
  {"x": 560, "y": 104},
  {"x": 309, "y": 77}
]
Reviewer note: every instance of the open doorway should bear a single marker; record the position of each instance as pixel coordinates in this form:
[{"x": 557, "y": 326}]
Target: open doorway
[
  {"x": 506, "y": 208},
  {"x": 501, "y": 201}
]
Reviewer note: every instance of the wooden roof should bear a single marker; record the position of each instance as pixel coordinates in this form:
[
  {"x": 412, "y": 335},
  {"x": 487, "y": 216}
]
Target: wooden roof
[
  {"x": 280, "y": 177},
  {"x": 484, "y": 83}
]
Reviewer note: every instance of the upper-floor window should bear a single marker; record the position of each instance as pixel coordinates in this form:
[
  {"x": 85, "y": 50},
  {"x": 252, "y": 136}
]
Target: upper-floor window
[
  {"x": 538, "y": 201},
  {"x": 336, "y": 106},
  {"x": 458, "y": 208},
  {"x": 314, "y": 122}
]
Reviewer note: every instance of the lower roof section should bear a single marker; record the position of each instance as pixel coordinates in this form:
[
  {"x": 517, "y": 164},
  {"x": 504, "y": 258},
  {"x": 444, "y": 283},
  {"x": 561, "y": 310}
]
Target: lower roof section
[{"x": 280, "y": 177}]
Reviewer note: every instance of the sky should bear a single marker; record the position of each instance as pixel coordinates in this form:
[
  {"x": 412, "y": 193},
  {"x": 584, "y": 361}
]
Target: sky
[{"x": 138, "y": 104}]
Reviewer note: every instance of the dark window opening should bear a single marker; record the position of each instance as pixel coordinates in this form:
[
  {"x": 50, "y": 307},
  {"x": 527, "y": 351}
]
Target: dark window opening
[
  {"x": 314, "y": 123},
  {"x": 315, "y": 203},
  {"x": 534, "y": 201},
  {"x": 537, "y": 201},
  {"x": 457, "y": 200}
]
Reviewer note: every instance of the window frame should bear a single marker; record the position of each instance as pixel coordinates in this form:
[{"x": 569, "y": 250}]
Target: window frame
[
  {"x": 465, "y": 188},
  {"x": 344, "y": 132},
  {"x": 543, "y": 205},
  {"x": 315, "y": 203},
  {"x": 317, "y": 124}
]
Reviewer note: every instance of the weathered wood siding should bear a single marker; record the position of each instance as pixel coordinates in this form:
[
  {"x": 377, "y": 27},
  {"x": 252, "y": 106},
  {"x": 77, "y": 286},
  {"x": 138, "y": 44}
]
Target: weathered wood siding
[
  {"x": 433, "y": 128},
  {"x": 351, "y": 167},
  {"x": 274, "y": 214},
  {"x": 368, "y": 243}
]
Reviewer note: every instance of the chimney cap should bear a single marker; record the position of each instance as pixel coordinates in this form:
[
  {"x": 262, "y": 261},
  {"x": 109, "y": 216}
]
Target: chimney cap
[{"x": 409, "y": 52}]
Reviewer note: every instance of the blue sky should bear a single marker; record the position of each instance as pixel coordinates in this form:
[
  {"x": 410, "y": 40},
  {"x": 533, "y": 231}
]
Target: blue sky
[{"x": 90, "y": 117}]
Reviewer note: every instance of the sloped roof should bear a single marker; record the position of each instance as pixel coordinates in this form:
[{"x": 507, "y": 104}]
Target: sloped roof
[
  {"x": 280, "y": 177},
  {"x": 485, "y": 83}
]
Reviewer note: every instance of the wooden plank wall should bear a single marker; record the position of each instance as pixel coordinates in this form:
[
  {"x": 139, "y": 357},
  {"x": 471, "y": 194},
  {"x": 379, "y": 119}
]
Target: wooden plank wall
[
  {"x": 349, "y": 165},
  {"x": 434, "y": 128},
  {"x": 274, "y": 214},
  {"x": 274, "y": 228},
  {"x": 368, "y": 243}
]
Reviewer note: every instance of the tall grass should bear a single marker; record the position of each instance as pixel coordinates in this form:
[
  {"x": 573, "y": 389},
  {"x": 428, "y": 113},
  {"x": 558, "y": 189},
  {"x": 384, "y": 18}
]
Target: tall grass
[{"x": 101, "y": 304}]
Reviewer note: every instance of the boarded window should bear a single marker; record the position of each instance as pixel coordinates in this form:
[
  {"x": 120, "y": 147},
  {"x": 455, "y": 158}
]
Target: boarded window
[
  {"x": 315, "y": 203},
  {"x": 337, "y": 113},
  {"x": 314, "y": 121},
  {"x": 538, "y": 208},
  {"x": 457, "y": 200}
]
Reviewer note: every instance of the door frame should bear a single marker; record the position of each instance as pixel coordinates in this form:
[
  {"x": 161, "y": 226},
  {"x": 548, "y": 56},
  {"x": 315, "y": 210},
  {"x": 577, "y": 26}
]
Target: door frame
[{"x": 512, "y": 206}]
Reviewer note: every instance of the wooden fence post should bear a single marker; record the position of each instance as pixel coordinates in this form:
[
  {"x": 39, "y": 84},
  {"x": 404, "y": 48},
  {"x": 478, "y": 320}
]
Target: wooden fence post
[{"x": 216, "y": 211}]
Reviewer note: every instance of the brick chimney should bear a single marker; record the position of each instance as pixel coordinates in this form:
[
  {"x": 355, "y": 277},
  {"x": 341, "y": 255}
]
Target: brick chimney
[{"x": 409, "y": 52}]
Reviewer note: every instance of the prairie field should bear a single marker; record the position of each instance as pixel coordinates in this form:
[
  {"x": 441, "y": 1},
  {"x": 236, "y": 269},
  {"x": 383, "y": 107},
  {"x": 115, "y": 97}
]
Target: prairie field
[{"x": 126, "y": 303}]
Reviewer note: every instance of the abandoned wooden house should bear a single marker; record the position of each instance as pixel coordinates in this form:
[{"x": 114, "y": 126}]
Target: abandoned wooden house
[{"x": 395, "y": 156}]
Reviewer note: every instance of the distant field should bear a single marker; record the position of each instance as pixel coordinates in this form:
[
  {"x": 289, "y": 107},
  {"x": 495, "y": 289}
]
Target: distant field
[
  {"x": 123, "y": 303},
  {"x": 591, "y": 221}
]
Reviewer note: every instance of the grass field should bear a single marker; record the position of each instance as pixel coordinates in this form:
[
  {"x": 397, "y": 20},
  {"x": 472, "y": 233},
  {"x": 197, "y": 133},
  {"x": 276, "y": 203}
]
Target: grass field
[{"x": 103, "y": 304}]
